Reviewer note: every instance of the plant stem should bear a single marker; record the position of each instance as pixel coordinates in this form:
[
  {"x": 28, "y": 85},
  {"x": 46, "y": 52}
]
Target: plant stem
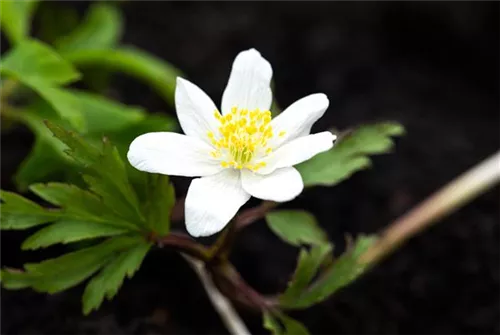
[
  {"x": 183, "y": 243},
  {"x": 222, "y": 305},
  {"x": 449, "y": 198},
  {"x": 230, "y": 282},
  {"x": 253, "y": 214}
]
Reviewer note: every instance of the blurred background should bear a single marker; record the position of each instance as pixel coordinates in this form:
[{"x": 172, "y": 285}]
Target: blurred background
[{"x": 434, "y": 67}]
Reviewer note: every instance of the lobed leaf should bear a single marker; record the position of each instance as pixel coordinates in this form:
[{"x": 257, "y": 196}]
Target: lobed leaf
[
  {"x": 81, "y": 204},
  {"x": 67, "y": 231},
  {"x": 20, "y": 213},
  {"x": 160, "y": 200},
  {"x": 296, "y": 227},
  {"x": 342, "y": 272},
  {"x": 105, "y": 175},
  {"x": 109, "y": 280},
  {"x": 58, "y": 274},
  {"x": 102, "y": 117},
  {"x": 308, "y": 265},
  {"x": 350, "y": 154}
]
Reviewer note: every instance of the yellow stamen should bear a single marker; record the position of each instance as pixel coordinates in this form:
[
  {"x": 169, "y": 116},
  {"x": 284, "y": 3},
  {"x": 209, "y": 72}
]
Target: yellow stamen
[{"x": 242, "y": 137}]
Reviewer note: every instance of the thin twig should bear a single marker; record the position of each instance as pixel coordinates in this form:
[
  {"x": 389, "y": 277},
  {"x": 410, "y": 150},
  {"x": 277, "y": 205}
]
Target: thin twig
[
  {"x": 222, "y": 305},
  {"x": 449, "y": 198}
]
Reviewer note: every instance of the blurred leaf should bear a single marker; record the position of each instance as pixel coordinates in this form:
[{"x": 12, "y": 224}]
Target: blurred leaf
[
  {"x": 350, "y": 154},
  {"x": 271, "y": 324},
  {"x": 15, "y": 19},
  {"x": 20, "y": 213},
  {"x": 32, "y": 61},
  {"x": 160, "y": 75},
  {"x": 160, "y": 200},
  {"x": 307, "y": 266},
  {"x": 89, "y": 112},
  {"x": 284, "y": 326},
  {"x": 67, "y": 231},
  {"x": 42, "y": 69},
  {"x": 296, "y": 227},
  {"x": 49, "y": 30},
  {"x": 150, "y": 123},
  {"x": 63, "y": 102},
  {"x": 109, "y": 280},
  {"x": 344, "y": 270},
  {"x": 100, "y": 29},
  {"x": 103, "y": 116}
]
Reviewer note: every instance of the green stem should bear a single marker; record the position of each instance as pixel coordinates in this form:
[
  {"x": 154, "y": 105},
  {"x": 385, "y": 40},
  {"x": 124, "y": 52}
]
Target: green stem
[{"x": 449, "y": 198}]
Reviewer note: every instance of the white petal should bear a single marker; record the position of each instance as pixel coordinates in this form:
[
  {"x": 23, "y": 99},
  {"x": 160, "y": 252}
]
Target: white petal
[
  {"x": 281, "y": 185},
  {"x": 172, "y": 154},
  {"x": 211, "y": 202},
  {"x": 298, "y": 150},
  {"x": 195, "y": 110},
  {"x": 249, "y": 83},
  {"x": 298, "y": 118}
]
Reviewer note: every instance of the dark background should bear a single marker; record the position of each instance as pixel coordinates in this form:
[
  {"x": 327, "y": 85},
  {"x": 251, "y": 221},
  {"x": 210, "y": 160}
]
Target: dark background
[{"x": 431, "y": 66}]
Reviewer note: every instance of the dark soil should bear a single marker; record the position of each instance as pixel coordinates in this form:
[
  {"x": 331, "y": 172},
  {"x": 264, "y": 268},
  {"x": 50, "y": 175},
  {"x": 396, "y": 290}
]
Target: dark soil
[{"x": 431, "y": 66}]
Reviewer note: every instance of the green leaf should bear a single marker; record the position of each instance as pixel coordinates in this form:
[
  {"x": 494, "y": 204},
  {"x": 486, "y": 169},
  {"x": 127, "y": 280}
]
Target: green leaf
[
  {"x": 15, "y": 19},
  {"x": 80, "y": 150},
  {"x": 13, "y": 279},
  {"x": 67, "y": 231},
  {"x": 44, "y": 162},
  {"x": 48, "y": 29},
  {"x": 160, "y": 75},
  {"x": 58, "y": 274},
  {"x": 150, "y": 123},
  {"x": 42, "y": 69},
  {"x": 91, "y": 113},
  {"x": 48, "y": 161},
  {"x": 63, "y": 102},
  {"x": 343, "y": 271},
  {"x": 20, "y": 213},
  {"x": 296, "y": 227},
  {"x": 32, "y": 61},
  {"x": 81, "y": 205},
  {"x": 285, "y": 326},
  {"x": 307, "y": 267},
  {"x": 293, "y": 327},
  {"x": 103, "y": 116},
  {"x": 271, "y": 324},
  {"x": 101, "y": 28},
  {"x": 105, "y": 173},
  {"x": 109, "y": 280},
  {"x": 350, "y": 154},
  {"x": 160, "y": 200}
]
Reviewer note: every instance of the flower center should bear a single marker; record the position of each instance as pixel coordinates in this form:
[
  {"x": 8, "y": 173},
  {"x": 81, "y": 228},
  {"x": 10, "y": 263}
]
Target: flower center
[{"x": 242, "y": 139}]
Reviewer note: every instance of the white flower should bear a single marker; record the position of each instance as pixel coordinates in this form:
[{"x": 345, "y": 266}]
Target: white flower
[{"x": 239, "y": 153}]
